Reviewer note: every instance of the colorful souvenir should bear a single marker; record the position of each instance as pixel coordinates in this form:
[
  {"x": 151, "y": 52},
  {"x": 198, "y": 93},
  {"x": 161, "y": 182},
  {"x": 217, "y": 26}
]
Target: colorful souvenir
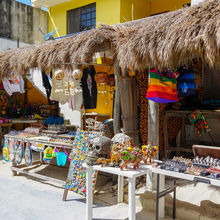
[
  {"x": 116, "y": 154},
  {"x": 131, "y": 156},
  {"x": 61, "y": 158},
  {"x": 149, "y": 152},
  {"x": 6, "y": 151},
  {"x": 48, "y": 154},
  {"x": 19, "y": 153},
  {"x": 76, "y": 180},
  {"x": 28, "y": 155},
  {"x": 199, "y": 122}
]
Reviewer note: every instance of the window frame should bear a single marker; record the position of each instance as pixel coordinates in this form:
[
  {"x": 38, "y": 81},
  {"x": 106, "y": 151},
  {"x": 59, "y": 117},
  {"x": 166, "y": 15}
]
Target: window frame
[{"x": 83, "y": 11}]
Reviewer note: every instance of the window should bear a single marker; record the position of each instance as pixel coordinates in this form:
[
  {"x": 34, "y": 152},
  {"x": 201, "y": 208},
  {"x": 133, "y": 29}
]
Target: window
[{"x": 81, "y": 19}]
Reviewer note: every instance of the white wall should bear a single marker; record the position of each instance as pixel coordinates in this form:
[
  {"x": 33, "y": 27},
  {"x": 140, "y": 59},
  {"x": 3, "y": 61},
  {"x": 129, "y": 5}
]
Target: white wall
[
  {"x": 194, "y": 2},
  {"x": 6, "y": 44}
]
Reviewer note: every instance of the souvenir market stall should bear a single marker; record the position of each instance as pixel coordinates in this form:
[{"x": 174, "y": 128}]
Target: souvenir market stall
[{"x": 171, "y": 40}]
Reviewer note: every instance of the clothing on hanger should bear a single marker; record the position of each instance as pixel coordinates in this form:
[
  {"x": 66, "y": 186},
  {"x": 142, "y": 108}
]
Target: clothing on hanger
[
  {"x": 89, "y": 88},
  {"x": 13, "y": 83}
]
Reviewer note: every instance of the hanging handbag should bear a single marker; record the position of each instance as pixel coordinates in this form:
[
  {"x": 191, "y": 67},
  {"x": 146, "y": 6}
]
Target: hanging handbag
[
  {"x": 101, "y": 77},
  {"x": 61, "y": 156},
  {"x": 111, "y": 80},
  {"x": 162, "y": 87},
  {"x": 186, "y": 83}
]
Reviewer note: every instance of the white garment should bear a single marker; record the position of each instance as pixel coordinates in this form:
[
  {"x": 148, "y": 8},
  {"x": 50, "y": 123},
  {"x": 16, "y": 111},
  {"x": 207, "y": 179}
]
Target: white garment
[
  {"x": 13, "y": 84},
  {"x": 58, "y": 90},
  {"x": 67, "y": 90}
]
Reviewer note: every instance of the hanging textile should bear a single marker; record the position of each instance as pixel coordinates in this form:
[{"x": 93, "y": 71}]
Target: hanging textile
[
  {"x": 73, "y": 89},
  {"x": 199, "y": 123},
  {"x": 89, "y": 88},
  {"x": 162, "y": 86},
  {"x": 13, "y": 83},
  {"x": 58, "y": 92},
  {"x": 185, "y": 83},
  {"x": 66, "y": 88},
  {"x": 47, "y": 86}
]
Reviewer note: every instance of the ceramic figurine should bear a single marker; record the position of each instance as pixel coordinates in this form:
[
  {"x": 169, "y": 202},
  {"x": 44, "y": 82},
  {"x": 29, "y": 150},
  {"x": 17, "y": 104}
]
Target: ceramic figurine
[
  {"x": 115, "y": 156},
  {"x": 131, "y": 157},
  {"x": 149, "y": 152}
]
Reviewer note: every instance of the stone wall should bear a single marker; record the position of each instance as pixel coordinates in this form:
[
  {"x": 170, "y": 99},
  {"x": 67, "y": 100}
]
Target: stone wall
[{"x": 20, "y": 22}]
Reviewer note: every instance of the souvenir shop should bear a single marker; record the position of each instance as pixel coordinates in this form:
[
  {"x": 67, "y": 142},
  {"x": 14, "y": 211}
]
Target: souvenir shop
[{"x": 171, "y": 114}]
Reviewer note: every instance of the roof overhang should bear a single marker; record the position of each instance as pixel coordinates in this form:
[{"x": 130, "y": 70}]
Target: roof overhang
[{"x": 47, "y": 3}]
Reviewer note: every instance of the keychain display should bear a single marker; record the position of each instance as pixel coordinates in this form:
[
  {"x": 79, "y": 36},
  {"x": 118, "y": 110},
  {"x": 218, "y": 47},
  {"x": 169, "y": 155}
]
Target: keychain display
[
  {"x": 6, "y": 151},
  {"x": 28, "y": 155},
  {"x": 76, "y": 180},
  {"x": 19, "y": 153}
]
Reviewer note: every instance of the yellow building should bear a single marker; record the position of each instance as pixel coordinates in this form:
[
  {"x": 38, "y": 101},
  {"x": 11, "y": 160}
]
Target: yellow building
[
  {"x": 71, "y": 16},
  {"x": 106, "y": 11}
]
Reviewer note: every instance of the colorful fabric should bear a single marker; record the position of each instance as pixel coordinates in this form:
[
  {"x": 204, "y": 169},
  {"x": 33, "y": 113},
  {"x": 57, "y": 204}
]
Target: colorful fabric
[
  {"x": 199, "y": 122},
  {"x": 186, "y": 84},
  {"x": 13, "y": 83},
  {"x": 162, "y": 86},
  {"x": 52, "y": 120}
]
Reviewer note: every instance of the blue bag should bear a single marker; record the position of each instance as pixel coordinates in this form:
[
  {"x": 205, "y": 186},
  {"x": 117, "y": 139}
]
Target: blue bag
[{"x": 186, "y": 84}]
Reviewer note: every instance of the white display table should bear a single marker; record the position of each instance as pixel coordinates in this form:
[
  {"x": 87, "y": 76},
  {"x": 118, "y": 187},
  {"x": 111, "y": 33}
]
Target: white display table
[
  {"x": 131, "y": 174},
  {"x": 161, "y": 193}
]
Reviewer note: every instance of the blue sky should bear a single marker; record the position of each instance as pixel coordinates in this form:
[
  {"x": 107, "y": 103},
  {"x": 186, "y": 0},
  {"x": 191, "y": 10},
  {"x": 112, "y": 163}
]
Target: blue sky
[{"x": 28, "y": 2}]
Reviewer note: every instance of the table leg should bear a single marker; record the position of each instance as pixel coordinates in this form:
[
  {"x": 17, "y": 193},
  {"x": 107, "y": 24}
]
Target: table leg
[
  {"x": 162, "y": 200},
  {"x": 13, "y": 164},
  {"x": 131, "y": 198},
  {"x": 149, "y": 181},
  {"x": 89, "y": 193},
  {"x": 65, "y": 194},
  {"x": 174, "y": 200},
  {"x": 120, "y": 188},
  {"x": 157, "y": 196},
  {"x": 41, "y": 157}
]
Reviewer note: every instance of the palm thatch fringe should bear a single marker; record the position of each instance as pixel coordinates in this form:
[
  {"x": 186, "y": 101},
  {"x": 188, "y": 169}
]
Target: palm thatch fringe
[{"x": 171, "y": 39}]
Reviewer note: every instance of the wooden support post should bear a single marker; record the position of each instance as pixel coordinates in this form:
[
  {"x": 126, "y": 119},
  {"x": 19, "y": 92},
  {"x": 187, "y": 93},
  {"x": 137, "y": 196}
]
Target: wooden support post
[
  {"x": 65, "y": 194},
  {"x": 129, "y": 106},
  {"x": 153, "y": 123},
  {"x": 117, "y": 105}
]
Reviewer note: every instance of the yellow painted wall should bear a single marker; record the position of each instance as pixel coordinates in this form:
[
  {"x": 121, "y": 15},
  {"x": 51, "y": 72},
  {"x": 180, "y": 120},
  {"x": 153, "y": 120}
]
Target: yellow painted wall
[
  {"x": 107, "y": 12},
  {"x": 159, "y": 6},
  {"x": 34, "y": 96},
  {"x": 134, "y": 9}
]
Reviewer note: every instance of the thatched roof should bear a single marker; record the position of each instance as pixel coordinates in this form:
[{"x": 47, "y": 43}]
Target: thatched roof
[
  {"x": 75, "y": 49},
  {"x": 170, "y": 39}
]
